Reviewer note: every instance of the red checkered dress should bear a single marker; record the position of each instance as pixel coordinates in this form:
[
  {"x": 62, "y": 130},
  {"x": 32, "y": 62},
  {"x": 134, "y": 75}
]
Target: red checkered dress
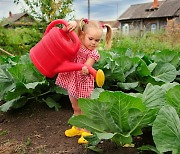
[{"x": 76, "y": 84}]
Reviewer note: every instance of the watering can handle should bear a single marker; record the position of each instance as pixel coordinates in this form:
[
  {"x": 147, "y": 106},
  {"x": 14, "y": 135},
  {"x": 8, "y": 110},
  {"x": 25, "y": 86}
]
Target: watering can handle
[{"x": 73, "y": 35}]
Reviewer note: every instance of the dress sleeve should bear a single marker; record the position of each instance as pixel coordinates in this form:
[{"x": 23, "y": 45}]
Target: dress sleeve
[{"x": 94, "y": 55}]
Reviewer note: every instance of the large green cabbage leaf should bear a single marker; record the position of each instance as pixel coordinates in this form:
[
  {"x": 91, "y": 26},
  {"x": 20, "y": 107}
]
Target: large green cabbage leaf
[
  {"x": 116, "y": 115},
  {"x": 166, "y": 130},
  {"x": 173, "y": 98}
]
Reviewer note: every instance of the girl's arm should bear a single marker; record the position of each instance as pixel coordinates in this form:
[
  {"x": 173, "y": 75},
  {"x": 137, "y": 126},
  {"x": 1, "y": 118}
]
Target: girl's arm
[
  {"x": 71, "y": 26},
  {"x": 89, "y": 62}
]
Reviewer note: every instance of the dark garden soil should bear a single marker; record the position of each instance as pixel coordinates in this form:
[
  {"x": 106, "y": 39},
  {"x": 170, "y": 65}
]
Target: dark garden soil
[{"x": 37, "y": 129}]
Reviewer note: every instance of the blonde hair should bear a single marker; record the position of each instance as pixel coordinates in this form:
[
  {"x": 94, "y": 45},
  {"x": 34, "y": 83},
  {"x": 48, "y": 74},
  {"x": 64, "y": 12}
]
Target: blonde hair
[{"x": 84, "y": 24}]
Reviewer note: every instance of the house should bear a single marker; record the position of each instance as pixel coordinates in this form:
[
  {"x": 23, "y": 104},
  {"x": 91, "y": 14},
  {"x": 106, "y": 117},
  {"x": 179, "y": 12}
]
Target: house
[
  {"x": 149, "y": 16},
  {"x": 18, "y": 20}
]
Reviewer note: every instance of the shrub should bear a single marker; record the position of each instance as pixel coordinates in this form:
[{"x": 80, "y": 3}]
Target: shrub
[{"x": 19, "y": 41}]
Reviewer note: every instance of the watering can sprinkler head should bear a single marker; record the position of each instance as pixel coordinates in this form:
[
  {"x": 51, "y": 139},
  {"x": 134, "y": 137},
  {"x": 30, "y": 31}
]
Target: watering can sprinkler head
[{"x": 100, "y": 78}]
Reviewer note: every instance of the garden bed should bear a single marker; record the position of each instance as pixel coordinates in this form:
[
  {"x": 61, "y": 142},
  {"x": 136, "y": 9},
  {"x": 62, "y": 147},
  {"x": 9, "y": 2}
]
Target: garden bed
[{"x": 36, "y": 128}]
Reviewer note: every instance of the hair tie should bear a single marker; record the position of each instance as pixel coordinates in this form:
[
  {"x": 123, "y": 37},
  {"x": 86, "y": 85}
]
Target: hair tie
[
  {"x": 102, "y": 24},
  {"x": 86, "y": 21}
]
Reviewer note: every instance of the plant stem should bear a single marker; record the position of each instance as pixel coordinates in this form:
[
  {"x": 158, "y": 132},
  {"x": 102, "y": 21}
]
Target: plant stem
[
  {"x": 39, "y": 95},
  {"x": 6, "y": 52}
]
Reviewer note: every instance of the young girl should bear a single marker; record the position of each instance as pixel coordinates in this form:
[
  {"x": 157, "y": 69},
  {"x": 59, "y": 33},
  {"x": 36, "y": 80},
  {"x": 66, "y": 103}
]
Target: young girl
[{"x": 80, "y": 84}]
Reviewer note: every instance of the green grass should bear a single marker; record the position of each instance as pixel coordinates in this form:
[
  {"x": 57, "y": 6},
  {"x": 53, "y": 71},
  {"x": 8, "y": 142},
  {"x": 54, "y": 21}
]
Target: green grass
[
  {"x": 3, "y": 132},
  {"x": 148, "y": 43}
]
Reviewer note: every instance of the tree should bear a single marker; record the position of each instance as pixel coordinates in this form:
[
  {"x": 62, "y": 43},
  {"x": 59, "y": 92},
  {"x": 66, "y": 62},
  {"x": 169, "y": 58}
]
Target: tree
[{"x": 48, "y": 10}]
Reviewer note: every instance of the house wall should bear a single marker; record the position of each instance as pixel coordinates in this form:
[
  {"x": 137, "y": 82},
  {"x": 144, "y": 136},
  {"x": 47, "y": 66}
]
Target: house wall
[
  {"x": 142, "y": 25},
  {"x": 158, "y": 24},
  {"x": 131, "y": 26}
]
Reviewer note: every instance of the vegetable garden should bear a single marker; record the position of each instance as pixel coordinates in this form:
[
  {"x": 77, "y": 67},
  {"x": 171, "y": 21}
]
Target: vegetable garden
[{"x": 141, "y": 92}]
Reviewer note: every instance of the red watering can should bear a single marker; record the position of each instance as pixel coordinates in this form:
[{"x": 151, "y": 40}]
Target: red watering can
[{"x": 52, "y": 54}]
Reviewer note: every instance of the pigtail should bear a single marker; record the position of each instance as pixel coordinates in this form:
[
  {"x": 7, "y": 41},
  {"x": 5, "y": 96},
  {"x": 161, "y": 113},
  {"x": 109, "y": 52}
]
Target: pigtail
[
  {"x": 108, "y": 36},
  {"x": 80, "y": 27},
  {"x": 81, "y": 24}
]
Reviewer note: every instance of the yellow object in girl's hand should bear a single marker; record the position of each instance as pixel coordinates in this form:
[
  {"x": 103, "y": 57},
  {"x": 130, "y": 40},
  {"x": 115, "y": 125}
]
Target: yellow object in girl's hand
[{"x": 100, "y": 78}]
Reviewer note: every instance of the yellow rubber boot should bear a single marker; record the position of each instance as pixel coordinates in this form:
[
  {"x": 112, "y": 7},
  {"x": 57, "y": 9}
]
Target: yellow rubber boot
[
  {"x": 82, "y": 140},
  {"x": 74, "y": 132}
]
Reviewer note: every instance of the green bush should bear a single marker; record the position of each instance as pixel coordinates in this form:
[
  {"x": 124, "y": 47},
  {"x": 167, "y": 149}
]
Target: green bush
[{"x": 19, "y": 41}]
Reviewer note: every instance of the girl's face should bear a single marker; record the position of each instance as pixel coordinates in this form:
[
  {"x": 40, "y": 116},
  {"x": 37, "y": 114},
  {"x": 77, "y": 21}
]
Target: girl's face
[{"x": 91, "y": 38}]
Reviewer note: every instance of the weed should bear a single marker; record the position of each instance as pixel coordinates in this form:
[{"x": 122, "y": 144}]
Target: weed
[
  {"x": 4, "y": 132},
  {"x": 28, "y": 142},
  {"x": 149, "y": 42}
]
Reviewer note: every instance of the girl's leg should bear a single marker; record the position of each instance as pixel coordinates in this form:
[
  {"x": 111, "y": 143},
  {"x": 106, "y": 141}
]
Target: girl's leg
[
  {"x": 74, "y": 103},
  {"x": 74, "y": 131}
]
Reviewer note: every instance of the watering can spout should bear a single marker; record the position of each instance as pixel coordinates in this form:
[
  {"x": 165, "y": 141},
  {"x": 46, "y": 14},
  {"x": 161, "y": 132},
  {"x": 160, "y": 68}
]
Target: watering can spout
[{"x": 70, "y": 66}]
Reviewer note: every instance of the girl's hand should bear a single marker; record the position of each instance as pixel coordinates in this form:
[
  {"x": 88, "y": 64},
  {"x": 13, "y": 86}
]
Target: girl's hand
[
  {"x": 85, "y": 70},
  {"x": 71, "y": 26}
]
